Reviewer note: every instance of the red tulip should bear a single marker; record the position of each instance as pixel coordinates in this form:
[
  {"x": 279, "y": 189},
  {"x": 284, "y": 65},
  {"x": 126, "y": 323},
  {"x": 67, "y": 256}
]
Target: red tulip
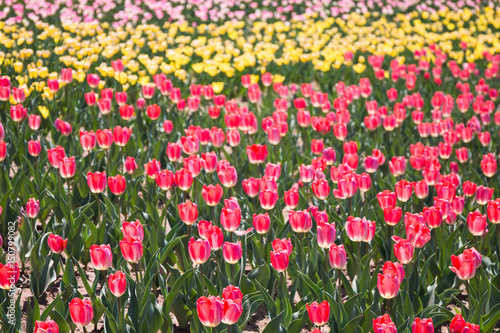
[
  {"x": 463, "y": 266},
  {"x": 483, "y": 194},
  {"x": 433, "y": 216},
  {"x": 227, "y": 174},
  {"x": 404, "y": 190},
  {"x": 212, "y": 194},
  {"x": 421, "y": 189},
  {"x": 96, "y": 181},
  {"x": 34, "y": 122},
  {"x": 117, "y": 184},
  {"x": 476, "y": 223},
  {"x": 34, "y": 148},
  {"x": 165, "y": 179},
  {"x": 133, "y": 229},
  {"x": 87, "y": 140},
  {"x": 392, "y": 216},
  {"x": 56, "y": 243},
  {"x": 416, "y": 230},
  {"x": 54, "y": 155},
  {"x": 326, "y": 234},
  {"x": 292, "y": 198},
  {"x": 18, "y": 113},
  {"x": 388, "y": 285},
  {"x": 209, "y": 162},
  {"x": 117, "y": 283},
  {"x": 9, "y": 274},
  {"x": 215, "y": 237},
  {"x": 101, "y": 256},
  {"x": 230, "y": 219},
  {"x": 261, "y": 223},
  {"x": 306, "y": 173},
  {"x": 422, "y": 326},
  {"x": 48, "y": 326},
  {"x": 188, "y": 212},
  {"x": 386, "y": 199},
  {"x": 232, "y": 252},
  {"x": 280, "y": 260},
  {"x": 153, "y": 111},
  {"x": 337, "y": 256},
  {"x": 319, "y": 313},
  {"x": 32, "y": 208},
  {"x": 67, "y": 167},
  {"x": 3, "y": 150},
  {"x": 300, "y": 221},
  {"x": 457, "y": 324},
  {"x": 273, "y": 170},
  {"x": 384, "y": 324},
  {"x": 210, "y": 310},
  {"x": 489, "y": 165},
  {"x": 360, "y": 229},
  {"x": 321, "y": 189},
  {"x": 232, "y": 310},
  {"x": 268, "y": 199},
  {"x": 199, "y": 250},
  {"x": 132, "y": 249},
  {"x": 130, "y": 165},
  {"x": 63, "y": 126},
  {"x": 257, "y": 153},
  {"x": 251, "y": 186},
  {"x": 81, "y": 311},
  {"x": 104, "y": 138},
  {"x": 121, "y": 135},
  {"x": 403, "y": 249},
  {"x": 397, "y": 166}
]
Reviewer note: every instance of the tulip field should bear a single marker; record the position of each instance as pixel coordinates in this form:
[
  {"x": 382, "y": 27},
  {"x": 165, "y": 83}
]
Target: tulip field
[{"x": 228, "y": 166}]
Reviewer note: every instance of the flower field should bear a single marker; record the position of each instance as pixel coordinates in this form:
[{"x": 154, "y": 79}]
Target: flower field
[{"x": 249, "y": 166}]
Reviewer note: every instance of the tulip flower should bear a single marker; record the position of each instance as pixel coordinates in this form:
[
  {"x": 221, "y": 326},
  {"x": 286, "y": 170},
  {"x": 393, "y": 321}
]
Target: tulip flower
[
  {"x": 232, "y": 252},
  {"x": 54, "y": 155},
  {"x": 117, "y": 184},
  {"x": 165, "y": 180},
  {"x": 424, "y": 325},
  {"x": 384, "y": 324},
  {"x": 104, "y": 138},
  {"x": 280, "y": 260},
  {"x": 215, "y": 237},
  {"x": 32, "y": 208},
  {"x": 96, "y": 181},
  {"x": 319, "y": 313},
  {"x": 360, "y": 229},
  {"x": 232, "y": 310},
  {"x": 9, "y": 274},
  {"x": 199, "y": 250},
  {"x": 403, "y": 249},
  {"x": 268, "y": 199},
  {"x": 388, "y": 285},
  {"x": 326, "y": 234},
  {"x": 132, "y": 249},
  {"x": 56, "y": 243},
  {"x": 227, "y": 174},
  {"x": 81, "y": 311},
  {"x": 464, "y": 266},
  {"x": 133, "y": 229},
  {"x": 117, "y": 283},
  {"x": 292, "y": 198},
  {"x": 67, "y": 167},
  {"x": 230, "y": 219},
  {"x": 210, "y": 310},
  {"x": 392, "y": 216},
  {"x": 212, "y": 194},
  {"x": 321, "y": 189},
  {"x": 261, "y": 223},
  {"x": 300, "y": 221},
  {"x": 34, "y": 148},
  {"x": 337, "y": 256},
  {"x": 48, "y": 326},
  {"x": 87, "y": 140},
  {"x": 188, "y": 212},
  {"x": 251, "y": 186},
  {"x": 476, "y": 223},
  {"x": 483, "y": 194},
  {"x": 101, "y": 256}
]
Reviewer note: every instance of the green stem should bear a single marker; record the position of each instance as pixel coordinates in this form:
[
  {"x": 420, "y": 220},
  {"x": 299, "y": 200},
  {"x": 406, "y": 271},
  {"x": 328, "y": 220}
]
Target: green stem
[
  {"x": 202, "y": 277},
  {"x": 469, "y": 298},
  {"x": 339, "y": 286}
]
